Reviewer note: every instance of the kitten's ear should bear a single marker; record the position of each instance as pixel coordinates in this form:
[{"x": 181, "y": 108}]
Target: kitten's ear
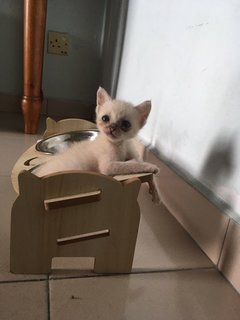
[
  {"x": 102, "y": 96},
  {"x": 143, "y": 109}
]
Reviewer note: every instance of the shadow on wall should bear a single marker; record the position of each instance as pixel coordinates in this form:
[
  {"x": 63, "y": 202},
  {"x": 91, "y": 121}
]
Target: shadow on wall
[{"x": 219, "y": 166}]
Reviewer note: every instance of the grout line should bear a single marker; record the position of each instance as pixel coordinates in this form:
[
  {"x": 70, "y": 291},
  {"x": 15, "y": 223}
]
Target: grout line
[
  {"x": 223, "y": 242},
  {"x": 48, "y": 299},
  {"x": 23, "y": 281},
  {"x": 48, "y": 279},
  {"x": 5, "y": 175},
  {"x": 133, "y": 273}
]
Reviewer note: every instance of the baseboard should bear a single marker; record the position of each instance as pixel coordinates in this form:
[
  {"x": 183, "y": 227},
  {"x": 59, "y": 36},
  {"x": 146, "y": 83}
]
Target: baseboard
[
  {"x": 10, "y": 103},
  {"x": 64, "y": 108},
  {"x": 55, "y": 108}
]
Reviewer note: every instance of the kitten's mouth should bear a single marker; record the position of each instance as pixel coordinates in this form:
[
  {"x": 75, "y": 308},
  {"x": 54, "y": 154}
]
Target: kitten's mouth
[{"x": 110, "y": 133}]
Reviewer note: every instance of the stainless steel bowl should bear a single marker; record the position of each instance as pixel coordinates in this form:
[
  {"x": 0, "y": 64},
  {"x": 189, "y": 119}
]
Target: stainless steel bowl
[{"x": 62, "y": 141}]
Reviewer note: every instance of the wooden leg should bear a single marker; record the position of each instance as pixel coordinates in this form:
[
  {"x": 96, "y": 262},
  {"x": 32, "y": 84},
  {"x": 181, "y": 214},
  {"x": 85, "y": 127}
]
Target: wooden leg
[{"x": 34, "y": 32}]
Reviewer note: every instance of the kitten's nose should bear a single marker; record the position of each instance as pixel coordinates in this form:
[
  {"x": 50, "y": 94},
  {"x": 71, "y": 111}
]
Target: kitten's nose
[{"x": 113, "y": 126}]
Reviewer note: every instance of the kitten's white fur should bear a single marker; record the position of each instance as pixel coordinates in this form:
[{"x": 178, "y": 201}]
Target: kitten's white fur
[{"x": 112, "y": 152}]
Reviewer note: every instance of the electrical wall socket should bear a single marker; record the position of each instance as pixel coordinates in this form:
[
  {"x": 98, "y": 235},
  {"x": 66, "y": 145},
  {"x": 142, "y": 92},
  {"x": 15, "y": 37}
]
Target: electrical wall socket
[{"x": 58, "y": 43}]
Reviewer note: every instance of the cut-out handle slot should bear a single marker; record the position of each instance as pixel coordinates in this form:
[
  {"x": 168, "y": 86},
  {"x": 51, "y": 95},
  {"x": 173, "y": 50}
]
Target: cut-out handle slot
[
  {"x": 28, "y": 162},
  {"x": 69, "y": 201},
  {"x": 83, "y": 237}
]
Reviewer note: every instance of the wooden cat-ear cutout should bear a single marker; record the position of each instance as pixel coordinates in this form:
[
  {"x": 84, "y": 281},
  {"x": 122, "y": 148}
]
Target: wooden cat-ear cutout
[
  {"x": 102, "y": 96},
  {"x": 143, "y": 109},
  {"x": 50, "y": 123},
  {"x": 51, "y": 127}
]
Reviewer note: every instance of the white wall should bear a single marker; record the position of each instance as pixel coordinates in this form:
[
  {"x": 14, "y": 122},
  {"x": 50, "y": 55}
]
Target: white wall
[{"x": 185, "y": 57}]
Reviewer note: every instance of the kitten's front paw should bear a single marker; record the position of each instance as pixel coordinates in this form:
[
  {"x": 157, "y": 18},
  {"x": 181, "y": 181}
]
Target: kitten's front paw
[{"x": 152, "y": 168}]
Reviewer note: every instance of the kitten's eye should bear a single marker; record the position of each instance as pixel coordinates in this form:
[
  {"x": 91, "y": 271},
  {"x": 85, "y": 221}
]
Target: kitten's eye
[
  {"x": 125, "y": 125},
  {"x": 105, "y": 118}
]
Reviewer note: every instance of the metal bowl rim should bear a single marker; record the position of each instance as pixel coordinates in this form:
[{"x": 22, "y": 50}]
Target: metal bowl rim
[{"x": 59, "y": 135}]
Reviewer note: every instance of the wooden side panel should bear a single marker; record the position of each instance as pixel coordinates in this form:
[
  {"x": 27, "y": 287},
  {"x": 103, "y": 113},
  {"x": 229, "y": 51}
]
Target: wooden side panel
[{"x": 105, "y": 229}]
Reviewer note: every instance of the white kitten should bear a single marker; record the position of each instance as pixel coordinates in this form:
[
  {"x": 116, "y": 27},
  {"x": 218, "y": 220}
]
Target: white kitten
[{"x": 112, "y": 152}]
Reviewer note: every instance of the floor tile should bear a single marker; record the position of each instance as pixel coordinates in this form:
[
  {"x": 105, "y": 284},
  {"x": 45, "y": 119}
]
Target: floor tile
[
  {"x": 24, "y": 301},
  {"x": 198, "y": 295},
  {"x": 201, "y": 219},
  {"x": 229, "y": 263},
  {"x": 162, "y": 242},
  {"x": 7, "y": 197},
  {"x": 13, "y": 145}
]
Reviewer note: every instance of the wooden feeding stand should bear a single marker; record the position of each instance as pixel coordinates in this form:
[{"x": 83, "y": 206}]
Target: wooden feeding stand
[{"x": 72, "y": 214}]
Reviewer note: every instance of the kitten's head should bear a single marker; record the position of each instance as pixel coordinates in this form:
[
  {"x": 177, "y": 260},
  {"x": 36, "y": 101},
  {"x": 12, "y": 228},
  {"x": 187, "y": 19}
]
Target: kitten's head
[{"x": 119, "y": 120}]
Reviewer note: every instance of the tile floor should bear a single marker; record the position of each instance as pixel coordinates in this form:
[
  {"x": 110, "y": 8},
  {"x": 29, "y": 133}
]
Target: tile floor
[{"x": 171, "y": 278}]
